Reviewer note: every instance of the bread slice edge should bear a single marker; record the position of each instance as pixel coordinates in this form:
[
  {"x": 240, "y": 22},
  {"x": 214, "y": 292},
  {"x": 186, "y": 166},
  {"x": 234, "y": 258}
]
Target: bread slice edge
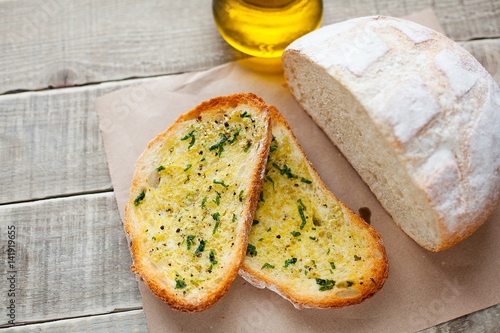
[{"x": 255, "y": 184}]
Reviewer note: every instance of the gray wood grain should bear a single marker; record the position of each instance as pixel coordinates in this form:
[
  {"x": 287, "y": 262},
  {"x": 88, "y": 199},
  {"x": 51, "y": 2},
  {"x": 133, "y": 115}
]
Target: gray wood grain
[
  {"x": 50, "y": 145},
  {"x": 123, "y": 322},
  {"x": 59, "y": 43},
  {"x": 50, "y": 142},
  {"x": 72, "y": 259},
  {"x": 461, "y": 20}
]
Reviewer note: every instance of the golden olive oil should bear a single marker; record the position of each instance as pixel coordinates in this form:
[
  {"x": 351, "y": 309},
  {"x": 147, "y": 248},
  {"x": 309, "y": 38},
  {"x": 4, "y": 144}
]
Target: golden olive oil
[{"x": 265, "y": 28}]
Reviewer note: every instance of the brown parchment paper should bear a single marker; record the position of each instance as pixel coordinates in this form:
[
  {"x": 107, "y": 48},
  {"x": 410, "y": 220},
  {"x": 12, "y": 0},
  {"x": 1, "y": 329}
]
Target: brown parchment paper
[{"x": 423, "y": 288}]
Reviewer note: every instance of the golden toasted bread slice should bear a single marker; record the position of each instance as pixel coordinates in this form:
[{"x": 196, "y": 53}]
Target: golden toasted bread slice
[
  {"x": 305, "y": 244},
  {"x": 193, "y": 197}
]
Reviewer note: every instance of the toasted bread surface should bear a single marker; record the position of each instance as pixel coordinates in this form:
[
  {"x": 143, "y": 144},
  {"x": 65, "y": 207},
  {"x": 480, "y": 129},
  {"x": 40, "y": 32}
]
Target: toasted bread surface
[
  {"x": 305, "y": 244},
  {"x": 193, "y": 197}
]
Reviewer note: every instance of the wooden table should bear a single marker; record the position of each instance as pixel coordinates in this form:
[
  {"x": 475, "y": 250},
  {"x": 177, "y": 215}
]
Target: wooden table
[{"x": 70, "y": 271}]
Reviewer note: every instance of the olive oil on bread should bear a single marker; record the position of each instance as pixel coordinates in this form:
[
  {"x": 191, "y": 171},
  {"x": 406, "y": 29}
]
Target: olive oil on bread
[
  {"x": 193, "y": 198},
  {"x": 305, "y": 244}
]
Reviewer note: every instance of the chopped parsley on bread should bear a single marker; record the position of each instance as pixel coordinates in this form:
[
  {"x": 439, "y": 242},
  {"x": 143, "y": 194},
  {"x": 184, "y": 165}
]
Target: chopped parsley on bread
[
  {"x": 304, "y": 243},
  {"x": 227, "y": 189},
  {"x": 193, "y": 198}
]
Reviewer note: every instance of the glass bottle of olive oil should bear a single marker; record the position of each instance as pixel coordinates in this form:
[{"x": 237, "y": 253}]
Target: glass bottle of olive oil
[{"x": 263, "y": 28}]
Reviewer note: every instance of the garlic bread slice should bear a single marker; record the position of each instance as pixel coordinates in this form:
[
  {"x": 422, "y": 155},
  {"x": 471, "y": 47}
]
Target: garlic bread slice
[
  {"x": 193, "y": 197},
  {"x": 305, "y": 244}
]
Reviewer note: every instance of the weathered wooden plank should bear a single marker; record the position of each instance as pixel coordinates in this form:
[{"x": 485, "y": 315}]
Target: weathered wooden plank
[
  {"x": 50, "y": 143},
  {"x": 59, "y": 277},
  {"x": 62, "y": 42},
  {"x": 461, "y": 20},
  {"x": 70, "y": 258},
  {"x": 126, "y": 322}
]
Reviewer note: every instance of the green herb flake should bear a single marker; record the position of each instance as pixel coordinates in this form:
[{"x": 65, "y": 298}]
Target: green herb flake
[
  {"x": 295, "y": 233},
  {"x": 247, "y": 147},
  {"x": 221, "y": 182},
  {"x": 349, "y": 283},
  {"x": 219, "y": 145},
  {"x": 267, "y": 265},
  {"x": 356, "y": 258},
  {"x": 234, "y": 218},
  {"x": 139, "y": 198},
  {"x": 285, "y": 171},
  {"x": 246, "y": 115},
  {"x": 304, "y": 180},
  {"x": 325, "y": 284},
  {"x": 188, "y": 167},
  {"x": 302, "y": 217},
  {"x": 235, "y": 136},
  {"x": 191, "y": 136},
  {"x": 251, "y": 250},
  {"x": 213, "y": 262},
  {"x": 179, "y": 284},
  {"x": 261, "y": 197},
  {"x": 240, "y": 196},
  {"x": 217, "y": 198},
  {"x": 301, "y": 204},
  {"x": 312, "y": 238},
  {"x": 274, "y": 145},
  {"x": 216, "y": 217},
  {"x": 189, "y": 241},
  {"x": 212, "y": 257},
  {"x": 270, "y": 180},
  {"x": 203, "y": 202},
  {"x": 332, "y": 265},
  {"x": 160, "y": 168},
  {"x": 200, "y": 248},
  {"x": 255, "y": 222},
  {"x": 290, "y": 262}
]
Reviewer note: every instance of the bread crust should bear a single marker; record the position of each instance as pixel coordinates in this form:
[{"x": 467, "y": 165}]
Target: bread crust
[
  {"x": 256, "y": 170},
  {"x": 435, "y": 108},
  {"x": 379, "y": 272}
]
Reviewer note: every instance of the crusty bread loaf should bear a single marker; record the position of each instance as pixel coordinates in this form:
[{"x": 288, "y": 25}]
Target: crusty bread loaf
[
  {"x": 416, "y": 115},
  {"x": 305, "y": 244},
  {"x": 193, "y": 198}
]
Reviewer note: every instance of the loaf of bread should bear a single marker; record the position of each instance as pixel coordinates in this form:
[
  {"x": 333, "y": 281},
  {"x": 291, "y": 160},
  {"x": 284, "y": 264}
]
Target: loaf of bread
[
  {"x": 304, "y": 244},
  {"x": 193, "y": 197},
  {"x": 415, "y": 114}
]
